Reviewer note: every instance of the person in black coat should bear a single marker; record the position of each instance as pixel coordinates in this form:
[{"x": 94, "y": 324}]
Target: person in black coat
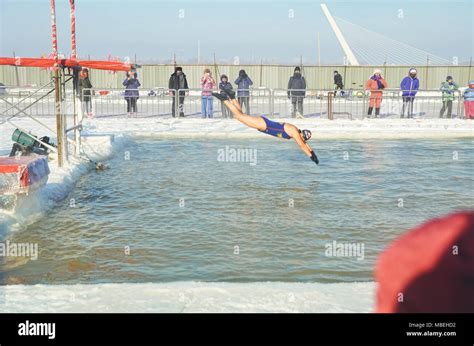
[
  {"x": 338, "y": 82},
  {"x": 84, "y": 91},
  {"x": 297, "y": 91},
  {"x": 179, "y": 82}
]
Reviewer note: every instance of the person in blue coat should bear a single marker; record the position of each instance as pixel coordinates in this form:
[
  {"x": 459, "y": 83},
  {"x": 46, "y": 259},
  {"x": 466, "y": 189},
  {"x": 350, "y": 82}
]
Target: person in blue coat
[
  {"x": 409, "y": 87},
  {"x": 131, "y": 84},
  {"x": 243, "y": 93}
]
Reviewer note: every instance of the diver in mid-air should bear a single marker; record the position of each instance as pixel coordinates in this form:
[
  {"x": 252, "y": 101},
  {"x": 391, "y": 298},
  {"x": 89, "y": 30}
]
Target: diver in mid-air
[{"x": 263, "y": 124}]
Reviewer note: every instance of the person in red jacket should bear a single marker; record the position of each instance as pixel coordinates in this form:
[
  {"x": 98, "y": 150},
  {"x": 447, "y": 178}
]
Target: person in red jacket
[
  {"x": 375, "y": 84},
  {"x": 429, "y": 269}
]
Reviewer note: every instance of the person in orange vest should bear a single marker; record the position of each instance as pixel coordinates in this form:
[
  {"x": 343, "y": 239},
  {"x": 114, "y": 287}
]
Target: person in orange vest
[{"x": 375, "y": 84}]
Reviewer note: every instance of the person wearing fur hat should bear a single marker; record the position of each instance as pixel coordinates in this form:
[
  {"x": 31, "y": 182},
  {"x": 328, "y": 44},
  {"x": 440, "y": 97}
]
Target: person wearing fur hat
[
  {"x": 297, "y": 91},
  {"x": 243, "y": 93},
  {"x": 409, "y": 87},
  {"x": 179, "y": 82},
  {"x": 469, "y": 101},
  {"x": 225, "y": 85},
  {"x": 375, "y": 85},
  {"x": 448, "y": 88}
]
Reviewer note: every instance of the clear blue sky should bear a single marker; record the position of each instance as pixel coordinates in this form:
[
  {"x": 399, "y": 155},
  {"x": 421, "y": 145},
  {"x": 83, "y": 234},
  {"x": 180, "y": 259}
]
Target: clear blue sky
[{"x": 248, "y": 29}]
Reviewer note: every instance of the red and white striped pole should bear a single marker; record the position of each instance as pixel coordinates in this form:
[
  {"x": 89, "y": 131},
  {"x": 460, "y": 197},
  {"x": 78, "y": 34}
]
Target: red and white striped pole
[
  {"x": 53, "y": 25},
  {"x": 73, "y": 29}
]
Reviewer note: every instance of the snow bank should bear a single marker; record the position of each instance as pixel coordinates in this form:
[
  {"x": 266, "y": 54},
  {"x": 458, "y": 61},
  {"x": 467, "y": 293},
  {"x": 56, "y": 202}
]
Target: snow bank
[
  {"x": 61, "y": 182},
  {"x": 190, "y": 297},
  {"x": 322, "y": 128}
]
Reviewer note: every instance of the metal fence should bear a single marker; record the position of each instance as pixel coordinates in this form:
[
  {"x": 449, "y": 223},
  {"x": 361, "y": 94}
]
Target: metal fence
[
  {"x": 276, "y": 103},
  {"x": 264, "y": 75}
]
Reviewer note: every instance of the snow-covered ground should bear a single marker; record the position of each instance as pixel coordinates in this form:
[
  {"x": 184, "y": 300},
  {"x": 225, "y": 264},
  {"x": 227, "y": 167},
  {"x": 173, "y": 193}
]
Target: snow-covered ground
[
  {"x": 190, "y": 297},
  {"x": 321, "y": 128}
]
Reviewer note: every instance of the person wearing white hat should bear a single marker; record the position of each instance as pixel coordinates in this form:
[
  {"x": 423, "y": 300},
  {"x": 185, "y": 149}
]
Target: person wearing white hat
[
  {"x": 409, "y": 87},
  {"x": 375, "y": 84}
]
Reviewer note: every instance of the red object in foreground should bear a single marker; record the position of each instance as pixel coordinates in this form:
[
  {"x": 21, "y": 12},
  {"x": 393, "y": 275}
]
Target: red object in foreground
[
  {"x": 430, "y": 268},
  {"x": 23, "y": 174},
  {"x": 469, "y": 109}
]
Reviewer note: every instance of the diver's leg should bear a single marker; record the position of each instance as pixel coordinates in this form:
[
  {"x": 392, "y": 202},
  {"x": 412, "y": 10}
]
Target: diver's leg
[
  {"x": 254, "y": 122},
  {"x": 236, "y": 104}
]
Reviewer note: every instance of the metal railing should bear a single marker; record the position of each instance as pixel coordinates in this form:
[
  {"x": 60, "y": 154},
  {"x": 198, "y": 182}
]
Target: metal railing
[
  {"x": 113, "y": 102},
  {"x": 425, "y": 104},
  {"x": 276, "y": 103}
]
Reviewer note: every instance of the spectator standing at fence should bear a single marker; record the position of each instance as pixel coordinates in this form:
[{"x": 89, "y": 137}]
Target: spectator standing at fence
[
  {"x": 177, "y": 82},
  {"x": 225, "y": 85},
  {"x": 297, "y": 91},
  {"x": 131, "y": 84},
  {"x": 243, "y": 82},
  {"x": 448, "y": 89},
  {"x": 469, "y": 101},
  {"x": 84, "y": 91},
  {"x": 338, "y": 82},
  {"x": 207, "y": 84},
  {"x": 409, "y": 87},
  {"x": 375, "y": 84}
]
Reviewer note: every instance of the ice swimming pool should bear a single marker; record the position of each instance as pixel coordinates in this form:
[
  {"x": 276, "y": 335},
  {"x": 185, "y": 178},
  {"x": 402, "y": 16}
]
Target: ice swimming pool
[{"x": 186, "y": 211}]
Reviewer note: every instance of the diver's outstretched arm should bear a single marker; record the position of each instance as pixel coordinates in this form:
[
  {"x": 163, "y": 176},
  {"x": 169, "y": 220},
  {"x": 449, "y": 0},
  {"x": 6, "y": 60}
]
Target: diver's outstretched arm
[{"x": 295, "y": 134}]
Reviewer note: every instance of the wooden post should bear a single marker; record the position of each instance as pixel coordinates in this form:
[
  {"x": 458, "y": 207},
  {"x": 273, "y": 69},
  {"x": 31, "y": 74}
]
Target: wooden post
[
  {"x": 59, "y": 120},
  {"x": 330, "y": 110}
]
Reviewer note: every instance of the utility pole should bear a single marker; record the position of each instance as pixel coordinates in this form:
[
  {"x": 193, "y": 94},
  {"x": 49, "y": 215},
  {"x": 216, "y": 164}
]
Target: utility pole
[
  {"x": 199, "y": 52},
  {"x": 319, "y": 52},
  {"x": 59, "y": 120},
  {"x": 470, "y": 67},
  {"x": 319, "y": 63},
  {"x": 17, "y": 75},
  {"x": 426, "y": 73}
]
